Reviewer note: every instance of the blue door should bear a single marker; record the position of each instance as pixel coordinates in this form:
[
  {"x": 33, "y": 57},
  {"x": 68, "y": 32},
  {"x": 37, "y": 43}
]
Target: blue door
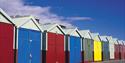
[
  {"x": 107, "y": 50},
  {"x": 78, "y": 50},
  {"x": 29, "y": 46},
  {"x": 35, "y": 46},
  {"x": 72, "y": 49},
  {"x": 75, "y": 49}
]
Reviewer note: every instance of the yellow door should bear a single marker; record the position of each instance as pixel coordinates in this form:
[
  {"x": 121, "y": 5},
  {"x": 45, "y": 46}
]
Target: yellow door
[{"x": 97, "y": 51}]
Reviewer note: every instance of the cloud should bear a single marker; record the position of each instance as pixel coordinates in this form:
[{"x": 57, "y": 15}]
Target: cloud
[
  {"x": 80, "y": 18},
  {"x": 17, "y": 7}
]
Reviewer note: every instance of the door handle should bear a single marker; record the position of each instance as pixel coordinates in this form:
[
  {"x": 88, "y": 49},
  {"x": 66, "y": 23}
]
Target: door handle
[
  {"x": 30, "y": 56},
  {"x": 30, "y": 59},
  {"x": 30, "y": 41}
]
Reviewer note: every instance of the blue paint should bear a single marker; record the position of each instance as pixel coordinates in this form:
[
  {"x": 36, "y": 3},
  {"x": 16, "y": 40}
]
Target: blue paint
[
  {"x": 29, "y": 46},
  {"x": 105, "y": 50},
  {"x": 75, "y": 49}
]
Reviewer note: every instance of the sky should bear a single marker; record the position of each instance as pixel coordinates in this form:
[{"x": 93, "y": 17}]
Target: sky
[{"x": 107, "y": 17}]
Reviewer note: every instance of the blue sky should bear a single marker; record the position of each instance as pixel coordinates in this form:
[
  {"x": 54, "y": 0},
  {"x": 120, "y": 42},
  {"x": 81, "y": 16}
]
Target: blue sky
[
  {"x": 104, "y": 16},
  {"x": 108, "y": 15}
]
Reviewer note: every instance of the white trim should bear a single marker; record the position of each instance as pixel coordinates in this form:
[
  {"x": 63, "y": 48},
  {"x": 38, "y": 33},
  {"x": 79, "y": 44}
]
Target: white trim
[
  {"x": 52, "y": 27},
  {"x": 41, "y": 41},
  {"x": 46, "y": 41},
  {"x": 55, "y": 25},
  {"x": 9, "y": 18},
  {"x": 17, "y": 38},
  {"x": 25, "y": 20},
  {"x": 33, "y": 19},
  {"x": 81, "y": 43},
  {"x": 68, "y": 43},
  {"x": 14, "y": 38},
  {"x": 64, "y": 42}
]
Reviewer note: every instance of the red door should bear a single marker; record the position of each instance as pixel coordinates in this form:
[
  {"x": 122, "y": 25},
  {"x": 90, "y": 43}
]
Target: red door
[
  {"x": 60, "y": 58},
  {"x": 6, "y": 43},
  {"x": 122, "y": 51},
  {"x": 55, "y": 48},
  {"x": 50, "y": 58},
  {"x": 117, "y": 52}
]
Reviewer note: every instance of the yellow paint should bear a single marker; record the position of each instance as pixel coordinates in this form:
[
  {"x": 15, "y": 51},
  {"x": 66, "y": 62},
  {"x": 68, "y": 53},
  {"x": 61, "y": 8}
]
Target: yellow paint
[{"x": 97, "y": 51}]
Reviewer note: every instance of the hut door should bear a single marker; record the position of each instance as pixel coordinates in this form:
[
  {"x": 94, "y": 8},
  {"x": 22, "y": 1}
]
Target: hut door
[
  {"x": 78, "y": 50},
  {"x": 29, "y": 42},
  {"x": 35, "y": 46},
  {"x": 60, "y": 54},
  {"x": 50, "y": 58},
  {"x": 6, "y": 43},
  {"x": 75, "y": 50},
  {"x": 24, "y": 55},
  {"x": 55, "y": 50}
]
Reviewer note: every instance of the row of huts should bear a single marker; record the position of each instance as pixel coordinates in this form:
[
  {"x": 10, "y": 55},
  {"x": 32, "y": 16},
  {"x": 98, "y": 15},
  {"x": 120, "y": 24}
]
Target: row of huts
[{"x": 24, "y": 40}]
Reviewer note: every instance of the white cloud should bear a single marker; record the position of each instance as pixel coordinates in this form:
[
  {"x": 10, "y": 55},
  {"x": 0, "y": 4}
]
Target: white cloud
[
  {"x": 80, "y": 18},
  {"x": 17, "y": 7}
]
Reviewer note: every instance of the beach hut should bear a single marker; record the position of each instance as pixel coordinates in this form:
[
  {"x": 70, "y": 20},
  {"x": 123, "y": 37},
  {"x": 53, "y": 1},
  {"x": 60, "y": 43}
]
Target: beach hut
[
  {"x": 105, "y": 48},
  {"x": 73, "y": 41},
  {"x": 117, "y": 49},
  {"x": 87, "y": 46},
  {"x": 28, "y": 35},
  {"x": 121, "y": 49},
  {"x": 7, "y": 39},
  {"x": 111, "y": 47},
  {"x": 97, "y": 47},
  {"x": 124, "y": 49},
  {"x": 53, "y": 43}
]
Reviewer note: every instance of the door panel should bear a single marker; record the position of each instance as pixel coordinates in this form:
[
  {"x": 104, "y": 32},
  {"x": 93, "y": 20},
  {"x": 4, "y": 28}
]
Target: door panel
[
  {"x": 88, "y": 50},
  {"x": 122, "y": 52},
  {"x": 6, "y": 43},
  {"x": 35, "y": 46},
  {"x": 72, "y": 49},
  {"x": 29, "y": 46},
  {"x": 55, "y": 51},
  {"x": 97, "y": 51},
  {"x": 23, "y": 46},
  {"x": 78, "y": 50},
  {"x": 75, "y": 50},
  {"x": 117, "y": 52},
  {"x": 50, "y": 58},
  {"x": 105, "y": 51},
  {"x": 60, "y": 49}
]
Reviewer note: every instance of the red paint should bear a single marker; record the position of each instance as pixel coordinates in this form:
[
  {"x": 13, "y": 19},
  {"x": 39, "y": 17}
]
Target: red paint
[
  {"x": 122, "y": 51},
  {"x": 6, "y": 43},
  {"x": 117, "y": 51},
  {"x": 55, "y": 50}
]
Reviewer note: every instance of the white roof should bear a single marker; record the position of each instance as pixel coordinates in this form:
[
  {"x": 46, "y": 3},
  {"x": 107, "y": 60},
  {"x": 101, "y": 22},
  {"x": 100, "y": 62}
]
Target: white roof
[
  {"x": 109, "y": 38},
  {"x": 115, "y": 40},
  {"x": 72, "y": 31},
  {"x": 85, "y": 33},
  {"x": 112, "y": 40},
  {"x": 28, "y": 22},
  {"x": 123, "y": 42},
  {"x": 120, "y": 41},
  {"x": 95, "y": 36},
  {"x": 103, "y": 38},
  {"x": 49, "y": 27},
  {"x": 4, "y": 17}
]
